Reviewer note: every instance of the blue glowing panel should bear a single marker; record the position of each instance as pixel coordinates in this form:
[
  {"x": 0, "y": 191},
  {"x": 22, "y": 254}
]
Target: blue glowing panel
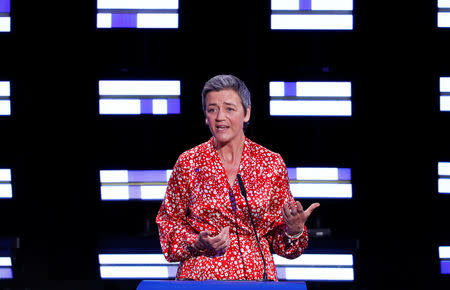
[
  {"x": 137, "y": 14},
  {"x": 310, "y": 98},
  {"x": 444, "y": 256},
  {"x": 444, "y": 177},
  {"x": 444, "y": 87},
  {"x": 134, "y": 184},
  {"x": 312, "y": 14},
  {"x": 139, "y": 97},
  {"x": 320, "y": 182},
  {"x": 5, "y": 16},
  {"x": 443, "y": 13},
  {"x": 308, "y": 267},
  {"x": 5, "y": 183},
  {"x": 5, "y": 102},
  {"x": 6, "y": 268}
]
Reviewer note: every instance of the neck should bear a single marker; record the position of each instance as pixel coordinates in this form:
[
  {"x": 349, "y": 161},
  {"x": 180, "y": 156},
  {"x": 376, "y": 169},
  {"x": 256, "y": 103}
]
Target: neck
[{"x": 231, "y": 151}]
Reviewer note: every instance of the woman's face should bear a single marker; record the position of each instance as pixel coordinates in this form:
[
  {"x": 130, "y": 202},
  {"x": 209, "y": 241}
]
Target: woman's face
[{"x": 225, "y": 115}]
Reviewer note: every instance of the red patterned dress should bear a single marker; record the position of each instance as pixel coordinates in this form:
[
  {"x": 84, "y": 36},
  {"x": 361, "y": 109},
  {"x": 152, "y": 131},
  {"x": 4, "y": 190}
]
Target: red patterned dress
[{"x": 199, "y": 198}]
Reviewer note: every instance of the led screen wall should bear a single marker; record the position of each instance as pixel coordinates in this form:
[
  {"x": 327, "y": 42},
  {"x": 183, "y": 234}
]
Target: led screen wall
[
  {"x": 443, "y": 13},
  {"x": 137, "y": 14},
  {"x": 5, "y": 16},
  {"x": 137, "y": 97},
  {"x": 312, "y": 14},
  {"x": 5, "y": 95},
  {"x": 310, "y": 98},
  {"x": 308, "y": 267}
]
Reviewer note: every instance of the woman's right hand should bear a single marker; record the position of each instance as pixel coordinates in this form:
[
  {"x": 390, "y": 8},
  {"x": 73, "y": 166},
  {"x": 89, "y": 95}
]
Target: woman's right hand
[{"x": 218, "y": 243}]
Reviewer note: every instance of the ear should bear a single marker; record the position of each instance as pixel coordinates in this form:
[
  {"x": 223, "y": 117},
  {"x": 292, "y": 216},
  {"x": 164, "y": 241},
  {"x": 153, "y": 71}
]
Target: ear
[
  {"x": 247, "y": 116},
  {"x": 206, "y": 121}
]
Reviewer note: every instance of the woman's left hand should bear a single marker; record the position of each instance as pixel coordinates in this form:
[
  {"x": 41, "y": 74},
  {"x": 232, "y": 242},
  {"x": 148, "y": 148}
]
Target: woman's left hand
[{"x": 295, "y": 217}]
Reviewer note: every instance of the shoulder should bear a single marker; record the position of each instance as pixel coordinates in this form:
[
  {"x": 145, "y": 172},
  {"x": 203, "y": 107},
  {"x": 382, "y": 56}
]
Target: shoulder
[
  {"x": 196, "y": 154},
  {"x": 264, "y": 154}
]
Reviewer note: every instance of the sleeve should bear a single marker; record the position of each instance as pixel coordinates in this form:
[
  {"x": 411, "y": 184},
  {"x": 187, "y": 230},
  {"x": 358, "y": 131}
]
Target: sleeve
[
  {"x": 176, "y": 236},
  {"x": 281, "y": 244}
]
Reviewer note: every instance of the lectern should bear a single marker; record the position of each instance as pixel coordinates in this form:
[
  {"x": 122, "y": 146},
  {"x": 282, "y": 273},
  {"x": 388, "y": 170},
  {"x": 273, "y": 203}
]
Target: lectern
[{"x": 219, "y": 285}]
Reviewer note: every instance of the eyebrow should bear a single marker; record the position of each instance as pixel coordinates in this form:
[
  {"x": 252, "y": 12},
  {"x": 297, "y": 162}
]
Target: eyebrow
[{"x": 226, "y": 103}]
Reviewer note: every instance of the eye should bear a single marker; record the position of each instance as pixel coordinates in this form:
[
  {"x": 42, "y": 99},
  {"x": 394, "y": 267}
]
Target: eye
[
  {"x": 211, "y": 110},
  {"x": 230, "y": 109}
]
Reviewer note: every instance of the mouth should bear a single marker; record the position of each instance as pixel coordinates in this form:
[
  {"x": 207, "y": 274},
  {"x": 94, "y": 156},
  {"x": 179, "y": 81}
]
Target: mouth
[{"x": 221, "y": 128}]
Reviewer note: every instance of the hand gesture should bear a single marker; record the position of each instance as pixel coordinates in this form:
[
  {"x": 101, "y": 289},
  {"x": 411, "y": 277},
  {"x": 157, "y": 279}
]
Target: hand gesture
[
  {"x": 218, "y": 244},
  {"x": 295, "y": 217}
]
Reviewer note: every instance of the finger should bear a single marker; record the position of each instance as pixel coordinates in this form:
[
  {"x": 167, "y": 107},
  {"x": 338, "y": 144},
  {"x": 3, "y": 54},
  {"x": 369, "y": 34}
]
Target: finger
[
  {"x": 293, "y": 208},
  {"x": 287, "y": 211},
  {"x": 299, "y": 206},
  {"x": 312, "y": 207}
]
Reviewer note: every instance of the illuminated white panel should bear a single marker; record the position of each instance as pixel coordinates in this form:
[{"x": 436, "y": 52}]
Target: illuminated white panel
[
  {"x": 444, "y": 252},
  {"x": 104, "y": 20},
  {"x": 285, "y": 4},
  {"x": 5, "y": 191},
  {"x": 111, "y": 192},
  {"x": 137, "y": 14},
  {"x": 322, "y": 274},
  {"x": 311, "y": 22},
  {"x": 316, "y": 260},
  {"x": 444, "y": 177},
  {"x": 444, "y": 168},
  {"x": 337, "y": 5},
  {"x": 118, "y": 106},
  {"x": 153, "y": 192},
  {"x": 113, "y": 176},
  {"x": 160, "y": 107},
  {"x": 5, "y": 262},
  {"x": 444, "y": 3},
  {"x": 134, "y": 272},
  {"x": 445, "y": 103},
  {"x": 139, "y": 88},
  {"x": 276, "y": 89},
  {"x": 337, "y": 267},
  {"x": 444, "y": 84},
  {"x": 317, "y": 173},
  {"x": 157, "y": 20},
  {"x": 310, "y": 108},
  {"x": 5, "y": 174},
  {"x": 444, "y": 185},
  {"x": 5, "y": 183},
  {"x": 139, "y": 97},
  {"x": 5, "y": 90},
  {"x": 5, "y": 108},
  {"x": 321, "y": 190},
  {"x": 134, "y": 184},
  {"x": 123, "y": 259},
  {"x": 168, "y": 174},
  {"x": 5, "y": 24},
  {"x": 137, "y": 4},
  {"x": 324, "y": 89}
]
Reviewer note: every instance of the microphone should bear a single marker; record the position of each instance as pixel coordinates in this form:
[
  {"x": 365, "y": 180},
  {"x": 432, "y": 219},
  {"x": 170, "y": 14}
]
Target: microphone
[{"x": 244, "y": 193}]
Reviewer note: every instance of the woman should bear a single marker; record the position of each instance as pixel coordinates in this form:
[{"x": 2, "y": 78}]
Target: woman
[{"x": 204, "y": 222}]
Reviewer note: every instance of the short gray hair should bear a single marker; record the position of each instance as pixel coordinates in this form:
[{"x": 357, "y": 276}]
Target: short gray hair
[{"x": 223, "y": 82}]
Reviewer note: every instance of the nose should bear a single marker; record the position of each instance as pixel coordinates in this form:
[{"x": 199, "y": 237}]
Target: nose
[{"x": 220, "y": 115}]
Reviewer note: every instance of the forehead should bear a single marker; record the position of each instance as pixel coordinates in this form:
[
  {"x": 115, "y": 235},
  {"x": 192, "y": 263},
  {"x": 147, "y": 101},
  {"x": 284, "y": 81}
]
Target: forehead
[{"x": 223, "y": 96}]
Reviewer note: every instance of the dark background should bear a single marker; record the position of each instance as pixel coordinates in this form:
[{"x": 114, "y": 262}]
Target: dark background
[{"x": 55, "y": 142}]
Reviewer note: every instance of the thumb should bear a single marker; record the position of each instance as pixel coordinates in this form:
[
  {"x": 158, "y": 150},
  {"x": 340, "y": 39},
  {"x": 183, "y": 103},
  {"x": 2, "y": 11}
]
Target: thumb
[{"x": 312, "y": 207}]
